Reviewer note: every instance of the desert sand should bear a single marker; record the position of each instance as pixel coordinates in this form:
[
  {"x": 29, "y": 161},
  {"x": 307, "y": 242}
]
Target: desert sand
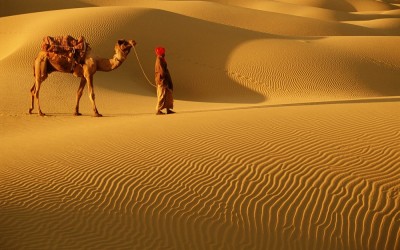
[{"x": 286, "y": 134}]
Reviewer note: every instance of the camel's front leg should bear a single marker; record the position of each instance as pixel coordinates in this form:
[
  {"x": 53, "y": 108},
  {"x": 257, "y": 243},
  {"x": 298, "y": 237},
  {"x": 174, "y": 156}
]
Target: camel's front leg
[
  {"x": 92, "y": 95},
  {"x": 79, "y": 95}
]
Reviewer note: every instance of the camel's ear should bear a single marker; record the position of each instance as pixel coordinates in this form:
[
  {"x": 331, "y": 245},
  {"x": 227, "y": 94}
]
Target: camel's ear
[{"x": 121, "y": 41}]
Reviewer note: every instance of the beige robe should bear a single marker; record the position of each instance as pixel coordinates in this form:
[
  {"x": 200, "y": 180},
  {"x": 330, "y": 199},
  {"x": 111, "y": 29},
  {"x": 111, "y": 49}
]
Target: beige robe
[{"x": 164, "y": 85}]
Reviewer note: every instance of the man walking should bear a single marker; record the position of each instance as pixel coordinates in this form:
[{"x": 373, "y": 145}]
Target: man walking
[{"x": 164, "y": 84}]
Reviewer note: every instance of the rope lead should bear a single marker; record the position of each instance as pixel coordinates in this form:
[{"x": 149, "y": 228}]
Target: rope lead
[{"x": 137, "y": 57}]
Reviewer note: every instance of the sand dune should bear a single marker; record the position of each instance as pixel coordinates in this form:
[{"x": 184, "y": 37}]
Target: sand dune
[
  {"x": 344, "y": 5},
  {"x": 337, "y": 188},
  {"x": 286, "y": 133}
]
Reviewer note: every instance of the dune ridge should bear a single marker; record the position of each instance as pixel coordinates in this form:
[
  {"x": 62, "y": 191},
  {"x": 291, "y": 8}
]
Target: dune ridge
[{"x": 286, "y": 133}]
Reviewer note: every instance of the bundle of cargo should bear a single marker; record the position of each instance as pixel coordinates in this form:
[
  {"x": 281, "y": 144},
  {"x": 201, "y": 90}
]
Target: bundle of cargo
[{"x": 65, "y": 52}]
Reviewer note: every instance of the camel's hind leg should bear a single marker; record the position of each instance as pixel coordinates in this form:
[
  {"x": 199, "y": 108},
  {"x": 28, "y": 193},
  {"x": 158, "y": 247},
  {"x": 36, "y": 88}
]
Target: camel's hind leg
[
  {"x": 33, "y": 90},
  {"x": 36, "y": 95},
  {"x": 40, "y": 73}
]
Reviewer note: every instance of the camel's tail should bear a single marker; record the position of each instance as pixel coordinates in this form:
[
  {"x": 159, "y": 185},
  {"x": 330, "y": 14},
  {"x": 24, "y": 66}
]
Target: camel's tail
[{"x": 40, "y": 67}]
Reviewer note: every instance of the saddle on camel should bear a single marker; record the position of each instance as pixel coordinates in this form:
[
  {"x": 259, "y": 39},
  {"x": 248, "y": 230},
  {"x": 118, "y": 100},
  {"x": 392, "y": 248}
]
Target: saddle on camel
[{"x": 65, "y": 52}]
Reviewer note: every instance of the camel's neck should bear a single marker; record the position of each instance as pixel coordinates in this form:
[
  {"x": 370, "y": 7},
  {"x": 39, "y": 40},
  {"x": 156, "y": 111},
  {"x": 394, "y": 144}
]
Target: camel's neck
[{"x": 111, "y": 64}]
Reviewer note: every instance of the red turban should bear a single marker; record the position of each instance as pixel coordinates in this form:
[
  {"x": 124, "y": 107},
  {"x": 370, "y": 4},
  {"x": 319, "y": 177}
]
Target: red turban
[{"x": 160, "y": 51}]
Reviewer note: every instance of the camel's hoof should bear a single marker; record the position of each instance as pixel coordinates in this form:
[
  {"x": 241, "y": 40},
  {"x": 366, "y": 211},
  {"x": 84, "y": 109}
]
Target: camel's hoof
[
  {"x": 42, "y": 114},
  {"x": 77, "y": 114},
  {"x": 98, "y": 115},
  {"x": 30, "y": 111}
]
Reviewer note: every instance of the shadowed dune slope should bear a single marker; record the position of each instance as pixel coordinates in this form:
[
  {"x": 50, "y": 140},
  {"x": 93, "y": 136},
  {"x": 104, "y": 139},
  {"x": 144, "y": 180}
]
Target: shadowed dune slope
[{"x": 10, "y": 7}]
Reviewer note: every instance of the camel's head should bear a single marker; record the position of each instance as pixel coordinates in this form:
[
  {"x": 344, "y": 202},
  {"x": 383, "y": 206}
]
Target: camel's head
[{"x": 125, "y": 46}]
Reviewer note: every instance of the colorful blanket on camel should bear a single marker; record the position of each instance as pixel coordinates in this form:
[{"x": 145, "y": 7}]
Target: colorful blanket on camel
[{"x": 65, "y": 52}]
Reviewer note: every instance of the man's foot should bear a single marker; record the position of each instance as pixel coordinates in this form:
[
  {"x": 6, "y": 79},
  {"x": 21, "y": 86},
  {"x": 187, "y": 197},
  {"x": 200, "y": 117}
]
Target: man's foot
[
  {"x": 160, "y": 113},
  {"x": 170, "y": 111}
]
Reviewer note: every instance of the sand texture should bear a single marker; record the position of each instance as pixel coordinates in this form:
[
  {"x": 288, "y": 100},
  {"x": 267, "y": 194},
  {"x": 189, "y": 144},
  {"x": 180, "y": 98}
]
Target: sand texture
[{"x": 286, "y": 136}]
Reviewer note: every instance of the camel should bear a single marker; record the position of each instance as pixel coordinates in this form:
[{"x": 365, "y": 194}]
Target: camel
[{"x": 88, "y": 66}]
